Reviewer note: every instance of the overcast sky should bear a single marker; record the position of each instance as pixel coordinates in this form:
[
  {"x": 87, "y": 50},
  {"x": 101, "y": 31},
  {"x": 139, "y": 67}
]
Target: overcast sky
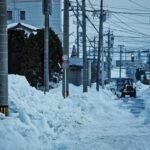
[{"x": 129, "y": 20}]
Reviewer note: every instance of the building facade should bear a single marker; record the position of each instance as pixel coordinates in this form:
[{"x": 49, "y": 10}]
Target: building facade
[{"x": 30, "y": 12}]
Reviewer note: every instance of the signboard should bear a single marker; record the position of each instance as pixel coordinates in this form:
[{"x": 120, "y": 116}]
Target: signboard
[
  {"x": 65, "y": 65},
  {"x": 65, "y": 57}
]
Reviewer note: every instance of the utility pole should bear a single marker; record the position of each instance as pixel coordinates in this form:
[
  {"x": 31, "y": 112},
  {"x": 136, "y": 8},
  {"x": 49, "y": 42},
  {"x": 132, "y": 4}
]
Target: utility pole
[
  {"x": 46, "y": 11},
  {"x": 84, "y": 48},
  {"x": 94, "y": 48},
  {"x": 100, "y": 45},
  {"x": 109, "y": 58},
  {"x": 78, "y": 48},
  {"x": 3, "y": 59},
  {"x": 94, "y": 73},
  {"x": 103, "y": 76},
  {"x": 149, "y": 65},
  {"x": 65, "y": 83},
  {"x": 125, "y": 54},
  {"x": 89, "y": 53},
  {"x": 120, "y": 59}
]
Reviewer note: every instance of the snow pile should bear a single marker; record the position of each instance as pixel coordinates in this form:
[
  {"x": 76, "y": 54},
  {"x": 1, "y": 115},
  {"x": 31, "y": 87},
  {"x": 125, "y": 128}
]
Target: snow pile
[
  {"x": 141, "y": 87},
  {"x": 48, "y": 122},
  {"x": 146, "y": 95},
  {"x": 144, "y": 92}
]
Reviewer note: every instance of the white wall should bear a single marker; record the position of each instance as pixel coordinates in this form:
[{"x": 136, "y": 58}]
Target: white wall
[{"x": 34, "y": 15}]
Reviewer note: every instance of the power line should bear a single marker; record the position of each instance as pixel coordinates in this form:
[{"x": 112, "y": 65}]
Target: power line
[
  {"x": 128, "y": 9},
  {"x": 138, "y": 4},
  {"x": 120, "y": 12},
  {"x": 130, "y": 27},
  {"x": 133, "y": 19},
  {"x": 95, "y": 5},
  {"x": 124, "y": 30},
  {"x": 129, "y": 13},
  {"x": 123, "y": 36},
  {"x": 72, "y": 8},
  {"x": 89, "y": 19}
]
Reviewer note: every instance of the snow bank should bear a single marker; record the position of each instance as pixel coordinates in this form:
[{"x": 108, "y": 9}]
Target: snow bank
[
  {"x": 141, "y": 87},
  {"x": 144, "y": 92},
  {"x": 49, "y": 122},
  {"x": 146, "y": 97}
]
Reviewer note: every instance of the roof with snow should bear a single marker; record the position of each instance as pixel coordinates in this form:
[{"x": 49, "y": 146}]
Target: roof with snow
[
  {"x": 22, "y": 26},
  {"x": 74, "y": 61},
  {"x": 24, "y": 0}
]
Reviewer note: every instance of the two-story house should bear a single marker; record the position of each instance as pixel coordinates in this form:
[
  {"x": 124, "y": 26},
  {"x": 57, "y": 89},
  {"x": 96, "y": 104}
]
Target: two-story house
[{"x": 30, "y": 12}]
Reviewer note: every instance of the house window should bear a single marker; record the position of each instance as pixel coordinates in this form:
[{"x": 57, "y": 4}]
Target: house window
[
  {"x": 9, "y": 15},
  {"x": 22, "y": 15}
]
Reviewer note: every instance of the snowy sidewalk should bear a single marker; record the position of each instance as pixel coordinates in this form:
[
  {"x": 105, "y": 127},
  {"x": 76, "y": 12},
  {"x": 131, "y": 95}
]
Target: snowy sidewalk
[{"x": 92, "y": 121}]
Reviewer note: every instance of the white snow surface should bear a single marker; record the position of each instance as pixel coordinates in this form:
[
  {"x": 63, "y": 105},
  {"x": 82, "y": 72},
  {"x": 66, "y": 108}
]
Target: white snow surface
[
  {"x": 91, "y": 121},
  {"x": 145, "y": 94},
  {"x": 23, "y": 24}
]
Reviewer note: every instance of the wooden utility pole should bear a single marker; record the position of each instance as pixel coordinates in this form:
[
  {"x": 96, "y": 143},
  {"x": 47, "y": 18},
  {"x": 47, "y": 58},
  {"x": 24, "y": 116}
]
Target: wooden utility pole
[
  {"x": 149, "y": 65},
  {"x": 94, "y": 48},
  {"x": 78, "y": 48},
  {"x": 84, "y": 48},
  {"x": 47, "y": 10},
  {"x": 3, "y": 59},
  {"x": 65, "y": 83},
  {"x": 109, "y": 58},
  {"x": 121, "y": 46},
  {"x": 100, "y": 44}
]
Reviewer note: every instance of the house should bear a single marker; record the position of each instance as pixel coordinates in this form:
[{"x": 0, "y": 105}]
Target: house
[
  {"x": 30, "y": 12},
  {"x": 75, "y": 69},
  {"x": 22, "y": 26}
]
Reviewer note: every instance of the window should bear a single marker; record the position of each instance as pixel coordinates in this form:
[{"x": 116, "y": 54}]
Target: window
[
  {"x": 9, "y": 15},
  {"x": 22, "y": 15}
]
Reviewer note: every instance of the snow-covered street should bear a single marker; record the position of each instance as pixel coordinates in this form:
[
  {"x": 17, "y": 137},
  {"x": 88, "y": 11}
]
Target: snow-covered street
[
  {"x": 74, "y": 75},
  {"x": 92, "y": 121}
]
